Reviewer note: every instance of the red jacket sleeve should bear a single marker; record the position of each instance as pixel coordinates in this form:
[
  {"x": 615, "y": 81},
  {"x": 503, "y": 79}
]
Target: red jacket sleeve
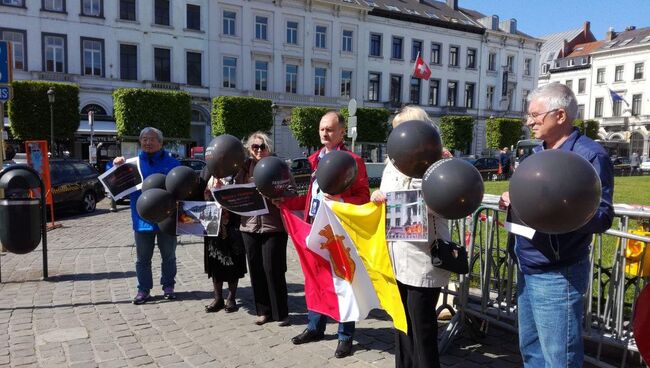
[{"x": 295, "y": 203}]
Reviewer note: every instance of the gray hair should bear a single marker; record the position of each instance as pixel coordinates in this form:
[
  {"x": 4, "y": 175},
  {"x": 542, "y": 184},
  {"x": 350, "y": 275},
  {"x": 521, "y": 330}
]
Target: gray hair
[
  {"x": 557, "y": 96},
  {"x": 146, "y": 130},
  {"x": 407, "y": 113},
  {"x": 261, "y": 135}
]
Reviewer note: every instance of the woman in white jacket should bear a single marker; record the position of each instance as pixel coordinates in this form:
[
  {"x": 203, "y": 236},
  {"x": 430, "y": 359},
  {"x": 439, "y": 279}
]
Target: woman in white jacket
[{"x": 418, "y": 280}]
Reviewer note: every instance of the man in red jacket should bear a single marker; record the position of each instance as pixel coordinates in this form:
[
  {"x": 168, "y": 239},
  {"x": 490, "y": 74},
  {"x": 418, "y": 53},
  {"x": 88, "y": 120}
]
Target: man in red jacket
[{"x": 332, "y": 132}]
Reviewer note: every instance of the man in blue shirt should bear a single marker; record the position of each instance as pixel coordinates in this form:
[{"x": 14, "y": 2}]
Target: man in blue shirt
[
  {"x": 152, "y": 159},
  {"x": 554, "y": 270}
]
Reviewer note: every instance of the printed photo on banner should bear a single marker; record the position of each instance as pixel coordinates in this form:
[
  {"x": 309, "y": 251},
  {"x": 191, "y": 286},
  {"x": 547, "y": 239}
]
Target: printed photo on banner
[
  {"x": 406, "y": 216},
  {"x": 198, "y": 218},
  {"x": 242, "y": 199},
  {"x": 122, "y": 180}
]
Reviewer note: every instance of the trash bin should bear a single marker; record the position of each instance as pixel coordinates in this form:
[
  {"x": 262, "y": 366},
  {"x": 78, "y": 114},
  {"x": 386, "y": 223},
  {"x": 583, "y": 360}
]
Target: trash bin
[{"x": 20, "y": 214}]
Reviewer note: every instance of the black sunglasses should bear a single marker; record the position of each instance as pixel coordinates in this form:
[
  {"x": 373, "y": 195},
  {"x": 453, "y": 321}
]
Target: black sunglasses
[{"x": 258, "y": 146}]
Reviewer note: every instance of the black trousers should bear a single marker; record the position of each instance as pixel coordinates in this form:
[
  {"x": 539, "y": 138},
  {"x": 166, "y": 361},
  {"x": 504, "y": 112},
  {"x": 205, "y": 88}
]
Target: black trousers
[
  {"x": 267, "y": 264},
  {"x": 418, "y": 348}
]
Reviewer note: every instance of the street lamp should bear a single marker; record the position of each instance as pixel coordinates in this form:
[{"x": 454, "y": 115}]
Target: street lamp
[
  {"x": 274, "y": 112},
  {"x": 50, "y": 97}
]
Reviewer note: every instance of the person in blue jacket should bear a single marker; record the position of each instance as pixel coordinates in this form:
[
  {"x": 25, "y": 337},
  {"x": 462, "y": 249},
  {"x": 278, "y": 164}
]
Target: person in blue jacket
[
  {"x": 109, "y": 165},
  {"x": 554, "y": 270},
  {"x": 152, "y": 159}
]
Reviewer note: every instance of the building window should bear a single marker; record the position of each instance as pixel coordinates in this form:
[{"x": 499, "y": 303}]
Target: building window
[
  {"x": 261, "y": 75},
  {"x": 616, "y": 108},
  {"x": 453, "y": 55},
  {"x": 16, "y": 3},
  {"x": 161, "y": 13},
  {"x": 471, "y": 58},
  {"x": 91, "y": 8},
  {"x": 292, "y": 33},
  {"x": 17, "y": 38},
  {"x": 375, "y": 44},
  {"x": 492, "y": 62},
  {"x": 434, "y": 92},
  {"x": 54, "y": 53},
  {"x": 581, "y": 112},
  {"x": 193, "y": 17},
  {"x": 490, "y": 97},
  {"x": 162, "y": 65},
  {"x": 127, "y": 10},
  {"x": 545, "y": 68},
  {"x": 261, "y": 28},
  {"x": 193, "y": 68},
  {"x": 452, "y": 88},
  {"x": 569, "y": 83},
  {"x": 54, "y": 5},
  {"x": 128, "y": 62},
  {"x": 346, "y": 83},
  {"x": 598, "y": 107},
  {"x": 436, "y": 49},
  {"x": 291, "y": 79},
  {"x": 582, "y": 85},
  {"x": 374, "y": 82},
  {"x": 397, "y": 48},
  {"x": 414, "y": 91},
  {"x": 600, "y": 75},
  {"x": 229, "y": 72},
  {"x": 510, "y": 63},
  {"x": 229, "y": 18},
  {"x": 618, "y": 73},
  {"x": 320, "y": 76},
  {"x": 321, "y": 37},
  {"x": 416, "y": 48},
  {"x": 469, "y": 95},
  {"x": 638, "y": 71},
  {"x": 346, "y": 42},
  {"x": 524, "y": 100},
  {"x": 527, "y": 67},
  {"x": 395, "y": 89},
  {"x": 636, "y": 104},
  {"x": 92, "y": 57}
]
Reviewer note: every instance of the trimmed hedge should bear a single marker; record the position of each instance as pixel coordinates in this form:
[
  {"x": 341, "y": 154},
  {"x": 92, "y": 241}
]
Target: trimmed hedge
[
  {"x": 503, "y": 132},
  {"x": 135, "y": 109},
  {"x": 592, "y": 127},
  {"x": 29, "y": 110},
  {"x": 372, "y": 124},
  {"x": 304, "y": 125},
  {"x": 456, "y": 132},
  {"x": 241, "y": 116}
]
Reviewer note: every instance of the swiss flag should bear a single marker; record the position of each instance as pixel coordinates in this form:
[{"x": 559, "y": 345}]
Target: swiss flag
[{"x": 421, "y": 69}]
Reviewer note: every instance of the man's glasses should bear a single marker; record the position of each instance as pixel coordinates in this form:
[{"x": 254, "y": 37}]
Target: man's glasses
[
  {"x": 260, "y": 147},
  {"x": 534, "y": 116}
]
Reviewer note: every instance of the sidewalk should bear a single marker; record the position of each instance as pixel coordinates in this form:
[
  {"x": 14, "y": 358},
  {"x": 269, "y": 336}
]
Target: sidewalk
[{"x": 82, "y": 315}]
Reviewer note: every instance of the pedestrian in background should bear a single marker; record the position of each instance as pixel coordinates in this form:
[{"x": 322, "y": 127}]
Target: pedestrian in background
[{"x": 113, "y": 208}]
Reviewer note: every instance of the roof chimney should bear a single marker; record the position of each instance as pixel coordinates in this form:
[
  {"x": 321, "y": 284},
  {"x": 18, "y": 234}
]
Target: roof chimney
[
  {"x": 610, "y": 35},
  {"x": 586, "y": 29},
  {"x": 452, "y": 4}
]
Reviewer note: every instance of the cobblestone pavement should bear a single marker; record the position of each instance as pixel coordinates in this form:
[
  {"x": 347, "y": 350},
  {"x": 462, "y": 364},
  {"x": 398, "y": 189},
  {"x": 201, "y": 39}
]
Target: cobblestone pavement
[{"x": 82, "y": 315}]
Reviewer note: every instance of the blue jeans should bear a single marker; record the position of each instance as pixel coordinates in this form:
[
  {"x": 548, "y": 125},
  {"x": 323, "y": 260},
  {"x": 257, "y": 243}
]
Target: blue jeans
[
  {"x": 144, "y": 245},
  {"x": 318, "y": 321},
  {"x": 550, "y": 311}
]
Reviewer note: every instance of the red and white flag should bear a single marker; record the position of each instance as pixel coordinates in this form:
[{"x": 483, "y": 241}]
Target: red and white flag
[{"x": 421, "y": 69}]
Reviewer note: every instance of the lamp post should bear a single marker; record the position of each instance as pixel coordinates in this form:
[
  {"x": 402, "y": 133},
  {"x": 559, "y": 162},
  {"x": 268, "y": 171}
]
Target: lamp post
[
  {"x": 274, "y": 112},
  {"x": 51, "y": 97}
]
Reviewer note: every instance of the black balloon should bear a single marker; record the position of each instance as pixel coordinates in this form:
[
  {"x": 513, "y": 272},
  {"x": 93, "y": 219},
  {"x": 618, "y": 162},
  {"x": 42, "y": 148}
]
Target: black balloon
[
  {"x": 225, "y": 155},
  {"x": 272, "y": 177},
  {"x": 168, "y": 225},
  {"x": 452, "y": 188},
  {"x": 155, "y": 205},
  {"x": 156, "y": 180},
  {"x": 555, "y": 191},
  {"x": 336, "y": 172},
  {"x": 182, "y": 182},
  {"x": 413, "y": 146}
]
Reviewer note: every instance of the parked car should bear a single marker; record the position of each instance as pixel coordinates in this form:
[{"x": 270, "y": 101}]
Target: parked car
[
  {"x": 195, "y": 164},
  {"x": 487, "y": 166},
  {"x": 621, "y": 166},
  {"x": 645, "y": 165},
  {"x": 301, "y": 171},
  {"x": 75, "y": 185}
]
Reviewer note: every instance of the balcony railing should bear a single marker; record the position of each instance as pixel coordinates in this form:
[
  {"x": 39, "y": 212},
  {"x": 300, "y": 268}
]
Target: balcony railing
[
  {"x": 293, "y": 98},
  {"x": 614, "y": 121},
  {"x": 170, "y": 86},
  {"x": 54, "y": 77}
]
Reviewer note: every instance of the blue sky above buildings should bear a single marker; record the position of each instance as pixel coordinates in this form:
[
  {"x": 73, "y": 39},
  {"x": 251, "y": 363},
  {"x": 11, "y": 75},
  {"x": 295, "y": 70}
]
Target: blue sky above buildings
[{"x": 541, "y": 17}]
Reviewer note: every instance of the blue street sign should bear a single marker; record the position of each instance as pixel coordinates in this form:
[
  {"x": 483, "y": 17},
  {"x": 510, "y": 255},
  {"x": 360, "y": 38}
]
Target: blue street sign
[
  {"x": 5, "y": 63},
  {"x": 5, "y": 93}
]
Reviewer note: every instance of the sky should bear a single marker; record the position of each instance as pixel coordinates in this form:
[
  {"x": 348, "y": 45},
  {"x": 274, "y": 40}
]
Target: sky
[{"x": 541, "y": 17}]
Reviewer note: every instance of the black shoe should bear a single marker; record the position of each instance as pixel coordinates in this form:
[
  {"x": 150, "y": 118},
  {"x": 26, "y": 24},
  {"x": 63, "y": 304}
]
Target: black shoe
[
  {"x": 307, "y": 336},
  {"x": 343, "y": 349}
]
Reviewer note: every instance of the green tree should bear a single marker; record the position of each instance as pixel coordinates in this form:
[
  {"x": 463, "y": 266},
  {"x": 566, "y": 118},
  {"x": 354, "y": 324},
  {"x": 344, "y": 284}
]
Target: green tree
[
  {"x": 456, "y": 132},
  {"x": 372, "y": 123},
  {"x": 591, "y": 126},
  {"x": 135, "y": 109},
  {"x": 29, "y": 110},
  {"x": 503, "y": 132},
  {"x": 241, "y": 116}
]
